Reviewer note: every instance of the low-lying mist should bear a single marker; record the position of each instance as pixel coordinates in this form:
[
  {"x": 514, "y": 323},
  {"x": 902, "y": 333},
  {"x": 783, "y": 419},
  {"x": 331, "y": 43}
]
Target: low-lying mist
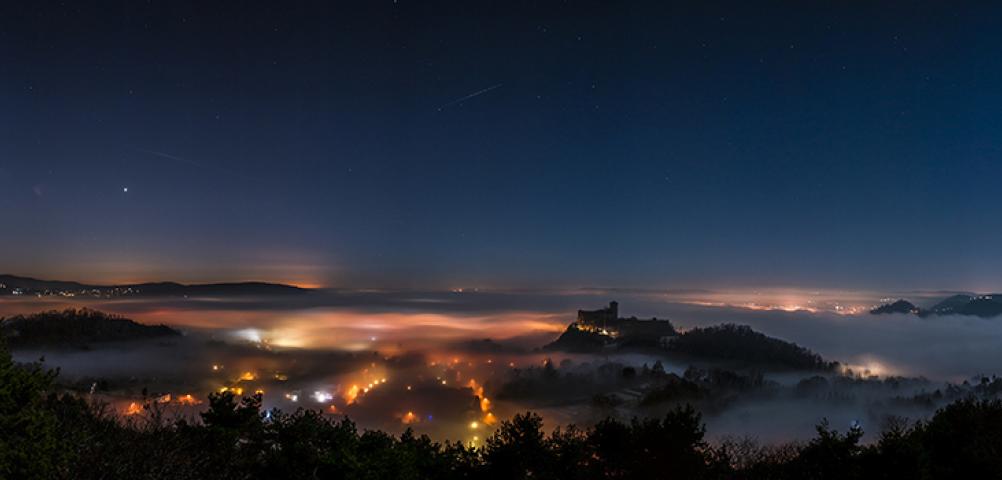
[{"x": 393, "y": 360}]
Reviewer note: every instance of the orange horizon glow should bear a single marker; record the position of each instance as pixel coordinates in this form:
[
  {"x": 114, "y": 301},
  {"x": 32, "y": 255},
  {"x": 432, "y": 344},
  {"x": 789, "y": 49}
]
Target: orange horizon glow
[{"x": 286, "y": 268}]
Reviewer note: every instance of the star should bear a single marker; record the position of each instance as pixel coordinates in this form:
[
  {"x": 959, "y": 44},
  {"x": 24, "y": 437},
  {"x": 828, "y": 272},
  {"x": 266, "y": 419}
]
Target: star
[{"x": 125, "y": 189}]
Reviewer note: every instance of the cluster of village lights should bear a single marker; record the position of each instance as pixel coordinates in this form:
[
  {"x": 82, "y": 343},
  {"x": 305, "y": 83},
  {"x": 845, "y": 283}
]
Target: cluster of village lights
[{"x": 351, "y": 394}]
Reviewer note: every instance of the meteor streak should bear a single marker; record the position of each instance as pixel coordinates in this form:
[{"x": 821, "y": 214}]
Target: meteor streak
[{"x": 474, "y": 94}]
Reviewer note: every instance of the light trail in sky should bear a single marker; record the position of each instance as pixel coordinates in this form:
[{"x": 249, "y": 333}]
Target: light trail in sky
[{"x": 472, "y": 95}]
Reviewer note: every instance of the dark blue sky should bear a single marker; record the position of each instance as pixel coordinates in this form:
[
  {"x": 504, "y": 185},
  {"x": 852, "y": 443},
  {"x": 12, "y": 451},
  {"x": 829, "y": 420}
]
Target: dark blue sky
[{"x": 653, "y": 144}]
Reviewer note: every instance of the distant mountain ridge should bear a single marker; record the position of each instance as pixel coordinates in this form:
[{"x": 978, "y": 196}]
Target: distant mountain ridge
[
  {"x": 17, "y": 285},
  {"x": 985, "y": 306}
]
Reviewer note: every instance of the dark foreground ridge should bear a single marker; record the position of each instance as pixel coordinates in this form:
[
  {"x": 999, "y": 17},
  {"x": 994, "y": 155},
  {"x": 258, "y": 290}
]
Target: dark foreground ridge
[
  {"x": 601, "y": 330},
  {"x": 76, "y": 328},
  {"x": 52, "y": 435},
  {"x": 15, "y": 285}
]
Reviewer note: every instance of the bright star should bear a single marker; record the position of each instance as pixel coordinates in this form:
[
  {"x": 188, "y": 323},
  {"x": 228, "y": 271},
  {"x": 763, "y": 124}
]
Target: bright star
[{"x": 125, "y": 189}]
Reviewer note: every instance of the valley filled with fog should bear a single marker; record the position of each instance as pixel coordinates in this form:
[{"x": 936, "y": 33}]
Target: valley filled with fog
[{"x": 451, "y": 364}]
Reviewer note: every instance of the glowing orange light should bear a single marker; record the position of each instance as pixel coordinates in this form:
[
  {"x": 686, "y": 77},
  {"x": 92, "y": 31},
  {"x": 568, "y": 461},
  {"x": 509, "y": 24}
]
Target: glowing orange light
[
  {"x": 351, "y": 394},
  {"x": 133, "y": 409},
  {"x": 490, "y": 419},
  {"x": 478, "y": 390},
  {"x": 248, "y": 376},
  {"x": 409, "y": 418}
]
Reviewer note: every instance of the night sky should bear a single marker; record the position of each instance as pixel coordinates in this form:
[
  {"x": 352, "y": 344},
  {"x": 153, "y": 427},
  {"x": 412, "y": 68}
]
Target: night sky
[{"x": 427, "y": 144}]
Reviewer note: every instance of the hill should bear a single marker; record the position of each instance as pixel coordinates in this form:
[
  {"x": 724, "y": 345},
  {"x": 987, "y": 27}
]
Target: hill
[
  {"x": 76, "y": 328},
  {"x": 984, "y": 306},
  {"x": 741, "y": 343},
  {"x": 951, "y": 305},
  {"x": 900, "y": 306}
]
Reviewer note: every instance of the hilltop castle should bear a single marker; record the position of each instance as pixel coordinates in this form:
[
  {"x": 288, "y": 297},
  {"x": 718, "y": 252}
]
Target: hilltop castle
[
  {"x": 596, "y": 330},
  {"x": 606, "y": 321}
]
